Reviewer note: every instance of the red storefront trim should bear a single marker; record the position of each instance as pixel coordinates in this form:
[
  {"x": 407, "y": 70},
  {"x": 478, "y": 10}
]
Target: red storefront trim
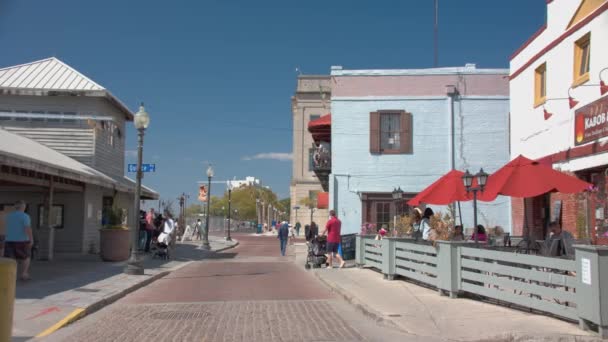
[
  {"x": 565, "y": 35},
  {"x": 576, "y": 152}
]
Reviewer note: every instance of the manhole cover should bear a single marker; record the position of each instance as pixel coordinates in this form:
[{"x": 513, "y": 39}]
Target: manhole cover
[{"x": 179, "y": 315}]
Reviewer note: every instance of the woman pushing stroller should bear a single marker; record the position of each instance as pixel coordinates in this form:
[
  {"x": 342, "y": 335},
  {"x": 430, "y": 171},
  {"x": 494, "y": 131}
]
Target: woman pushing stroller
[{"x": 165, "y": 236}]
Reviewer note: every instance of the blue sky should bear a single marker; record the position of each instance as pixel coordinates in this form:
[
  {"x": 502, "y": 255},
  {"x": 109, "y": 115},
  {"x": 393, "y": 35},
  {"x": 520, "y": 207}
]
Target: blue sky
[{"x": 217, "y": 76}]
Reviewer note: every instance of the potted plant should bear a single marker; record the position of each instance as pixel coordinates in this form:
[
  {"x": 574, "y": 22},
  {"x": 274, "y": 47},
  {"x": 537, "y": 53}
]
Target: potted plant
[{"x": 114, "y": 236}]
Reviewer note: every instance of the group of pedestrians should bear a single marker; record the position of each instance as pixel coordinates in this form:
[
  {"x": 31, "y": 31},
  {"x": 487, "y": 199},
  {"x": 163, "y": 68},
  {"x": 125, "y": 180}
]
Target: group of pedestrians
[{"x": 161, "y": 227}]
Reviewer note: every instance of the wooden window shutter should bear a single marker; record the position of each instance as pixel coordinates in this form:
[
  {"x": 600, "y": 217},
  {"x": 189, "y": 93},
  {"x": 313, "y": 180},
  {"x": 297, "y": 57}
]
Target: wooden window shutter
[
  {"x": 374, "y": 132},
  {"x": 407, "y": 138}
]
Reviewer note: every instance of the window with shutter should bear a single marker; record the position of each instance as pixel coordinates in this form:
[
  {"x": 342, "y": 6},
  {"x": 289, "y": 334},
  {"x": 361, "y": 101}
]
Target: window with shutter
[
  {"x": 407, "y": 137},
  {"x": 391, "y": 132},
  {"x": 374, "y": 132}
]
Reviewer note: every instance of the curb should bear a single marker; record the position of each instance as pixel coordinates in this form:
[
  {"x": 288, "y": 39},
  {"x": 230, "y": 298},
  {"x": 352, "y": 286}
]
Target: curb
[
  {"x": 83, "y": 312},
  {"x": 80, "y": 313},
  {"x": 359, "y": 305},
  {"x": 227, "y": 247}
]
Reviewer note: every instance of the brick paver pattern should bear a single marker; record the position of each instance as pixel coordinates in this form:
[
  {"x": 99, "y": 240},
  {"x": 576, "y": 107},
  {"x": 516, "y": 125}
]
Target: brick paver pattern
[{"x": 220, "y": 321}]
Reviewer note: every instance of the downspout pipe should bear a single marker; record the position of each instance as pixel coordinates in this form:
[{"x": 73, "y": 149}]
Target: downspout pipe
[{"x": 452, "y": 92}]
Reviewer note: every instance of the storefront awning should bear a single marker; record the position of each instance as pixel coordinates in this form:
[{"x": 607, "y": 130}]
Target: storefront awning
[
  {"x": 323, "y": 200},
  {"x": 19, "y": 151},
  {"x": 321, "y": 128}
]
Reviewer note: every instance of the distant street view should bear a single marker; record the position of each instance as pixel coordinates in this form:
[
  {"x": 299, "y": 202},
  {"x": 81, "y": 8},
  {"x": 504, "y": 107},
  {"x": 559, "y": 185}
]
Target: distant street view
[{"x": 304, "y": 171}]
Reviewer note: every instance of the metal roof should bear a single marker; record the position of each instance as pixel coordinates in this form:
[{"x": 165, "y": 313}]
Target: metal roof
[
  {"x": 50, "y": 74},
  {"x": 37, "y": 155},
  {"x": 18, "y": 150}
]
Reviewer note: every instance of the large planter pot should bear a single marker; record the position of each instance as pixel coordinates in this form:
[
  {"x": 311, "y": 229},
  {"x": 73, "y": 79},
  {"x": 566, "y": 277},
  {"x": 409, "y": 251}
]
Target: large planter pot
[{"x": 114, "y": 244}]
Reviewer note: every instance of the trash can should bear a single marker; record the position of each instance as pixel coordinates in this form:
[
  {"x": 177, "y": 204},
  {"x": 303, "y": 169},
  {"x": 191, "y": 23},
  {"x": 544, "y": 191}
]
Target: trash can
[
  {"x": 259, "y": 228},
  {"x": 348, "y": 246}
]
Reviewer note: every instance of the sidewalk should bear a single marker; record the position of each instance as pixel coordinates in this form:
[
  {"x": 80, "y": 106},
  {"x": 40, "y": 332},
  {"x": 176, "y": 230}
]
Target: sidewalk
[
  {"x": 70, "y": 287},
  {"x": 423, "y": 312}
]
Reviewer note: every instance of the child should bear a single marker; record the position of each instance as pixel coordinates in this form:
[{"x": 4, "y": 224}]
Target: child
[{"x": 292, "y": 235}]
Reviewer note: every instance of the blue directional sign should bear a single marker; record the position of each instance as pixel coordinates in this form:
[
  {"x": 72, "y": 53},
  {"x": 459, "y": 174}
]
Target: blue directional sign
[{"x": 144, "y": 168}]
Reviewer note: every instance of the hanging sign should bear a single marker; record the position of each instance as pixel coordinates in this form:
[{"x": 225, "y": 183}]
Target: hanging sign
[
  {"x": 585, "y": 271},
  {"x": 591, "y": 121},
  {"x": 202, "y": 193}
]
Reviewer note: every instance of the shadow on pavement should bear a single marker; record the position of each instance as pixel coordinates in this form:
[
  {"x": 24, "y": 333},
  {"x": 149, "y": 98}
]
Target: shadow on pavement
[{"x": 76, "y": 271}]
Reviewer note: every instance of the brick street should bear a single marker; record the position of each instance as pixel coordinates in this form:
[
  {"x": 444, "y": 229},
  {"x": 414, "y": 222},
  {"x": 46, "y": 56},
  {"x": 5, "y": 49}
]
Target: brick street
[{"x": 249, "y": 293}]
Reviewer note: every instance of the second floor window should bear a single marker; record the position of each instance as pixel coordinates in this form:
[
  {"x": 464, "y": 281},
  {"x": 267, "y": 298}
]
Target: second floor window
[
  {"x": 582, "y": 57},
  {"x": 391, "y": 132},
  {"x": 311, "y": 153},
  {"x": 540, "y": 85}
]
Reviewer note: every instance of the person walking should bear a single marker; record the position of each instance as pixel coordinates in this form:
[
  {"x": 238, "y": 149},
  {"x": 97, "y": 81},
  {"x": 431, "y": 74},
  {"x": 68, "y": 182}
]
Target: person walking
[
  {"x": 283, "y": 236},
  {"x": 168, "y": 233},
  {"x": 197, "y": 229},
  {"x": 292, "y": 234},
  {"x": 149, "y": 228},
  {"x": 332, "y": 229},
  {"x": 298, "y": 226},
  {"x": 19, "y": 238}
]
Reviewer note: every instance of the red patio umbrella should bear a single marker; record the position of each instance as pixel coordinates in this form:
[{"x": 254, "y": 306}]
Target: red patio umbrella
[
  {"x": 523, "y": 177},
  {"x": 447, "y": 189}
]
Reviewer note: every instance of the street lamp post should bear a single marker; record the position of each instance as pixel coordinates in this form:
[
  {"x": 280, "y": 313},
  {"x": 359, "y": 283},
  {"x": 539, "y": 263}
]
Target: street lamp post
[
  {"x": 269, "y": 216},
  {"x": 141, "y": 121},
  {"x": 229, "y": 211},
  {"x": 467, "y": 179},
  {"x": 206, "y": 235},
  {"x": 397, "y": 196},
  {"x": 257, "y": 213}
]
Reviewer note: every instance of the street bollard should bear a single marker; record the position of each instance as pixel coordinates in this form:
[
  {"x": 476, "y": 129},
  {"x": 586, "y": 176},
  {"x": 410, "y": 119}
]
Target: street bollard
[{"x": 8, "y": 279}]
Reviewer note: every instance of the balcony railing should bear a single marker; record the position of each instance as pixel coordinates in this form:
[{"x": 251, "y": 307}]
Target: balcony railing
[{"x": 321, "y": 157}]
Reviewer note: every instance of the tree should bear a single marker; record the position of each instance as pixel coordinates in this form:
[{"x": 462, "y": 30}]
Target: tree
[
  {"x": 310, "y": 203},
  {"x": 285, "y": 204},
  {"x": 244, "y": 200}
]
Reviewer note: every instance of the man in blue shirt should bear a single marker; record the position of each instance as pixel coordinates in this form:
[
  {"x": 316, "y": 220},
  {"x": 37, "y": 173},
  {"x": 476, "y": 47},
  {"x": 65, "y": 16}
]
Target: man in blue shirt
[
  {"x": 19, "y": 239},
  {"x": 283, "y": 235}
]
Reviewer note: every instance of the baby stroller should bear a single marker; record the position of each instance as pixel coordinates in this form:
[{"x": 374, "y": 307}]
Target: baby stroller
[
  {"x": 160, "y": 246},
  {"x": 316, "y": 252}
]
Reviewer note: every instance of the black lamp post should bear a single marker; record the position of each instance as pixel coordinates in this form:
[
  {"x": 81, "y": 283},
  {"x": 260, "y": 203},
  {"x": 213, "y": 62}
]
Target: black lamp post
[
  {"x": 467, "y": 179},
  {"x": 141, "y": 122},
  {"x": 229, "y": 210},
  {"x": 397, "y": 196},
  {"x": 206, "y": 235}
]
